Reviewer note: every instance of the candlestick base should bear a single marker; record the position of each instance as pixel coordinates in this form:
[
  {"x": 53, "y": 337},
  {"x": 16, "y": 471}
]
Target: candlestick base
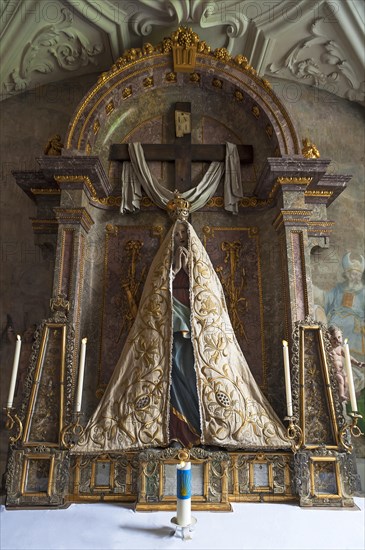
[
  {"x": 185, "y": 531},
  {"x": 72, "y": 432},
  {"x": 11, "y": 419},
  {"x": 354, "y": 429},
  {"x": 294, "y": 433}
]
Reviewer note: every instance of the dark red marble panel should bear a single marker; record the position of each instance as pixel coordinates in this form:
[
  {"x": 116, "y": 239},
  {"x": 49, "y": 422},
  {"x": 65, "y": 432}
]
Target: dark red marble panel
[
  {"x": 129, "y": 252},
  {"x": 235, "y": 254}
]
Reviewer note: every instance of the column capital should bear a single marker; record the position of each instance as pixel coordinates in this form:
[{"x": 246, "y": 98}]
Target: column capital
[
  {"x": 294, "y": 173},
  {"x": 83, "y": 172},
  {"x": 74, "y": 216},
  {"x": 292, "y": 218}
]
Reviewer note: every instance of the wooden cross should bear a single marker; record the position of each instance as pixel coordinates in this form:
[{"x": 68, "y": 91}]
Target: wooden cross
[{"x": 182, "y": 152}]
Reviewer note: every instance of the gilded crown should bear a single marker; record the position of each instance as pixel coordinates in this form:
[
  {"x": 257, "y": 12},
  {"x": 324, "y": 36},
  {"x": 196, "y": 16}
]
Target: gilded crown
[{"x": 178, "y": 207}]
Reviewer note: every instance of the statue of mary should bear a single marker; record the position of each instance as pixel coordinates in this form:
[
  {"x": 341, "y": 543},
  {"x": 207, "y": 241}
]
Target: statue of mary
[{"x": 182, "y": 375}]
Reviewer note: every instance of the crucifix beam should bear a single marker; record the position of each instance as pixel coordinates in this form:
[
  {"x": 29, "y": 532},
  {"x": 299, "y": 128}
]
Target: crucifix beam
[
  {"x": 168, "y": 152},
  {"x": 182, "y": 152}
]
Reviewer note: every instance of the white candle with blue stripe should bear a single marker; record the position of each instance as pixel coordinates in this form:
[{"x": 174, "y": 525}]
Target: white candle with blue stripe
[{"x": 183, "y": 514}]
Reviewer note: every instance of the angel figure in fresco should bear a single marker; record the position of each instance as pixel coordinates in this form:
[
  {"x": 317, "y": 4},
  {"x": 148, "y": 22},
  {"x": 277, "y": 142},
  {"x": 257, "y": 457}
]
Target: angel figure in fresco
[{"x": 181, "y": 375}]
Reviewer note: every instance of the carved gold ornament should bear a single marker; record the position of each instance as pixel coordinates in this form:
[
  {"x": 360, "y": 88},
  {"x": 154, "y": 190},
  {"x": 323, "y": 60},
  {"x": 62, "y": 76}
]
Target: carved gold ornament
[
  {"x": 195, "y": 77},
  {"x": 60, "y": 303},
  {"x": 127, "y": 92},
  {"x": 54, "y": 146},
  {"x": 184, "y": 44},
  {"x": 222, "y": 54},
  {"x": 178, "y": 207},
  {"x": 217, "y": 83},
  {"x": 77, "y": 178},
  {"x": 184, "y": 48},
  {"x": 269, "y": 130},
  {"x": 309, "y": 150},
  {"x": 96, "y": 127},
  {"x": 255, "y": 111},
  {"x": 171, "y": 76},
  {"x": 110, "y": 107},
  {"x": 148, "y": 82}
]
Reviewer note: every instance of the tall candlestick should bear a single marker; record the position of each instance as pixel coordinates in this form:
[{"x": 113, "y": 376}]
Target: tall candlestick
[
  {"x": 81, "y": 375},
  {"x": 350, "y": 379},
  {"x": 289, "y": 403},
  {"x": 14, "y": 372},
  {"x": 183, "y": 513}
]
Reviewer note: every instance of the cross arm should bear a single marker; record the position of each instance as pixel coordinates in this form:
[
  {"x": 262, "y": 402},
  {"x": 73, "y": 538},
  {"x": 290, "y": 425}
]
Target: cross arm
[{"x": 170, "y": 152}]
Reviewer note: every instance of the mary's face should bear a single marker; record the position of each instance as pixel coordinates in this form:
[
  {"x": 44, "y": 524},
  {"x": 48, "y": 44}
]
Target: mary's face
[{"x": 181, "y": 235}]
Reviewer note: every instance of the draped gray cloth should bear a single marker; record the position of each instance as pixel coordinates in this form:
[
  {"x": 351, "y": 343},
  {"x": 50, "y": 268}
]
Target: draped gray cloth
[{"x": 136, "y": 175}]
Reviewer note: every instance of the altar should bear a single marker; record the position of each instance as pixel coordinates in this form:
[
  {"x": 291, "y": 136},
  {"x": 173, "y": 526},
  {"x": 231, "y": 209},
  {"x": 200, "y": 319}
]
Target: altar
[
  {"x": 259, "y": 242},
  {"x": 249, "y": 526}
]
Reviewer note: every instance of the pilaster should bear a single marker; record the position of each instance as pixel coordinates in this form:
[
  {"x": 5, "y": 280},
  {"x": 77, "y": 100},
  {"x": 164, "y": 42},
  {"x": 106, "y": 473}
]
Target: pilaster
[
  {"x": 300, "y": 190},
  {"x": 63, "y": 190}
]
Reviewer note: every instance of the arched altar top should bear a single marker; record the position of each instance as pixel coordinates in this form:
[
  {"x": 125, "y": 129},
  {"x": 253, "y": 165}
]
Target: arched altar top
[{"x": 180, "y": 68}]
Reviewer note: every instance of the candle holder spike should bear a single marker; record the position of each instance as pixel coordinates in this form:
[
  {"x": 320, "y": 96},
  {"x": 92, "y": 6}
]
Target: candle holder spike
[
  {"x": 13, "y": 419},
  {"x": 294, "y": 434},
  {"x": 71, "y": 433}
]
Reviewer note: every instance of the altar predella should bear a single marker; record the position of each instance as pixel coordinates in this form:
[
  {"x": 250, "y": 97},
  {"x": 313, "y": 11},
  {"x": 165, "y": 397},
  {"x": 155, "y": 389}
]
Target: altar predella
[{"x": 106, "y": 187}]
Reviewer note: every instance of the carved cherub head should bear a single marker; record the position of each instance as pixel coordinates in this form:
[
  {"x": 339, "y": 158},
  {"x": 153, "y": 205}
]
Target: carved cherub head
[{"x": 336, "y": 337}]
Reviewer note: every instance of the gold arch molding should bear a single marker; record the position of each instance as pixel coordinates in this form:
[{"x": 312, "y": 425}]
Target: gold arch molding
[{"x": 140, "y": 72}]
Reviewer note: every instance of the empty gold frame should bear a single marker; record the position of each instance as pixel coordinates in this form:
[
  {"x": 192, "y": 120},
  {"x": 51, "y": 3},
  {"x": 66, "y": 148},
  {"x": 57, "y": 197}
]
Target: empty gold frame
[
  {"x": 34, "y": 481},
  {"x": 100, "y": 470},
  {"x": 261, "y": 476},
  {"x": 325, "y": 481},
  {"x": 46, "y": 404},
  {"x": 312, "y": 363}
]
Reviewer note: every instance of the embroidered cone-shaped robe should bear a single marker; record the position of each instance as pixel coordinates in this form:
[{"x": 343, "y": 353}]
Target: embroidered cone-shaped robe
[{"x": 134, "y": 411}]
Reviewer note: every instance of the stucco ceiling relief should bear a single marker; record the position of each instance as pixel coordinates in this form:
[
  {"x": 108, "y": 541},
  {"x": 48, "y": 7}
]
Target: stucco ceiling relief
[
  {"x": 317, "y": 42},
  {"x": 59, "y": 46},
  {"x": 226, "y": 18},
  {"x": 320, "y": 61}
]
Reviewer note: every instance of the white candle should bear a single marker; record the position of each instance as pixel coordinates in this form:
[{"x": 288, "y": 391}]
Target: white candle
[
  {"x": 350, "y": 379},
  {"x": 81, "y": 375},
  {"x": 14, "y": 373},
  {"x": 289, "y": 404},
  {"x": 183, "y": 513}
]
